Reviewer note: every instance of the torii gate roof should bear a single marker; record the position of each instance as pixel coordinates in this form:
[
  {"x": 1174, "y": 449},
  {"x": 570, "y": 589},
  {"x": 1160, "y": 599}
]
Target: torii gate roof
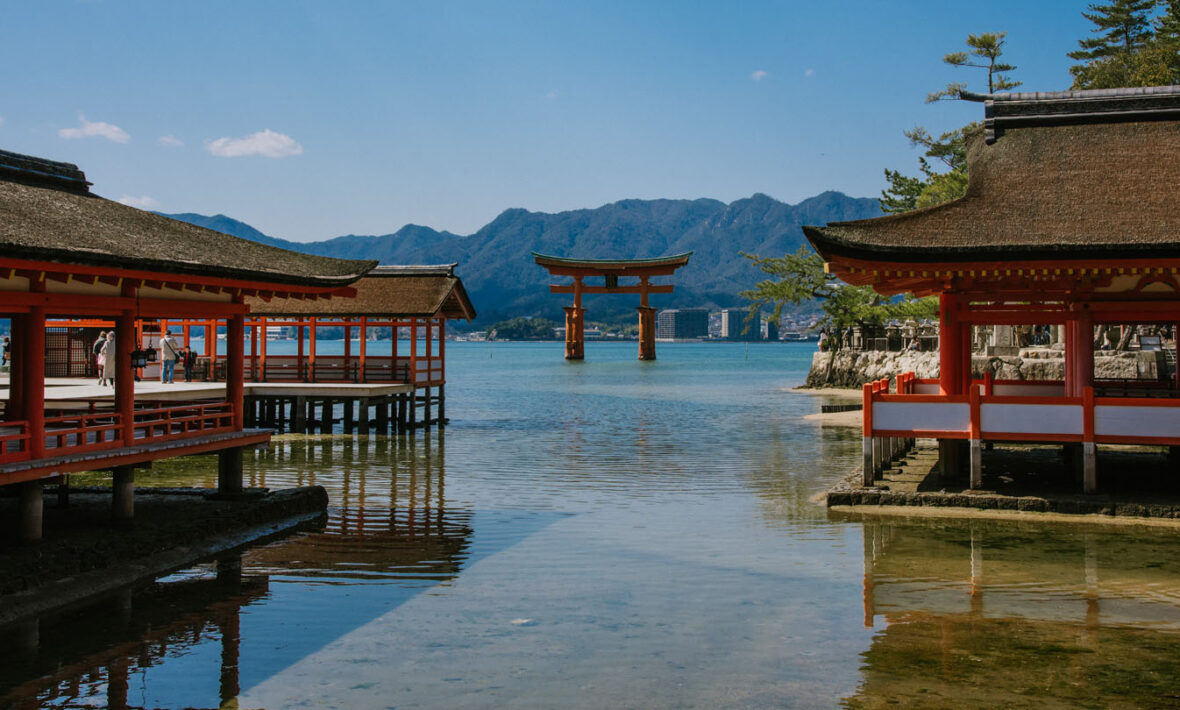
[{"x": 567, "y": 266}]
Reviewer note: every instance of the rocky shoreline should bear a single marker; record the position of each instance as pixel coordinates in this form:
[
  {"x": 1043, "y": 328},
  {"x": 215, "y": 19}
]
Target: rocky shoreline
[{"x": 852, "y": 369}]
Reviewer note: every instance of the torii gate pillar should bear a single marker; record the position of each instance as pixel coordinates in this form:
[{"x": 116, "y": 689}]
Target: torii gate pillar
[
  {"x": 575, "y": 339},
  {"x": 647, "y": 333}
]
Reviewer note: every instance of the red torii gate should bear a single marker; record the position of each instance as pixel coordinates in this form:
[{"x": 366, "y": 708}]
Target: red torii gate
[{"x": 610, "y": 270}]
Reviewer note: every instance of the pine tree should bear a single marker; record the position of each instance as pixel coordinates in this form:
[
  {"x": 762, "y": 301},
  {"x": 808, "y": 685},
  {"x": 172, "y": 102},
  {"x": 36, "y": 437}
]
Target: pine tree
[
  {"x": 1138, "y": 45},
  {"x": 1122, "y": 26},
  {"x": 986, "y": 48}
]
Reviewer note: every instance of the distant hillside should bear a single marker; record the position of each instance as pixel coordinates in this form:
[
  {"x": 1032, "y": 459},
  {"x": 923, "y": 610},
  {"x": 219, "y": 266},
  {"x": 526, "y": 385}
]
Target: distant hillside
[{"x": 504, "y": 282}]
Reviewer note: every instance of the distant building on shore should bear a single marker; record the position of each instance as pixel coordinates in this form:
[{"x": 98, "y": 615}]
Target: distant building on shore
[
  {"x": 682, "y": 324},
  {"x": 733, "y": 325}
]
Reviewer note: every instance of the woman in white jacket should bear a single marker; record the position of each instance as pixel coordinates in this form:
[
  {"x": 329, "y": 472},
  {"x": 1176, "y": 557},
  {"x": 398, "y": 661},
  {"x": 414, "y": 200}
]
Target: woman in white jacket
[{"x": 108, "y": 360}]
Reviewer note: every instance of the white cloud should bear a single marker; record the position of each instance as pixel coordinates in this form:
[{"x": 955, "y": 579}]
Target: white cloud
[
  {"x": 553, "y": 94},
  {"x": 809, "y": 73},
  {"x": 144, "y": 202},
  {"x": 86, "y": 129},
  {"x": 170, "y": 140},
  {"x": 266, "y": 143},
  {"x": 760, "y": 75}
]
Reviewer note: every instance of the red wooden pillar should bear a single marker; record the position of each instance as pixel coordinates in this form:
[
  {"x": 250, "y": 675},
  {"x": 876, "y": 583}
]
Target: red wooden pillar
[
  {"x": 1079, "y": 352},
  {"x": 253, "y": 351},
  {"x": 442, "y": 349},
  {"x": 124, "y": 375},
  {"x": 311, "y": 351},
  {"x": 16, "y": 369},
  {"x": 33, "y": 375},
  {"x": 261, "y": 374},
  {"x": 299, "y": 353},
  {"x": 950, "y": 346},
  {"x": 414, "y": 351},
  {"x": 347, "y": 347},
  {"x": 235, "y": 352},
  {"x": 950, "y": 376},
  {"x": 363, "y": 345}
]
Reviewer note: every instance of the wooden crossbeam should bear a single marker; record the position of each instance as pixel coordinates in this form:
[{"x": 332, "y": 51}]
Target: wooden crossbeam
[{"x": 569, "y": 288}]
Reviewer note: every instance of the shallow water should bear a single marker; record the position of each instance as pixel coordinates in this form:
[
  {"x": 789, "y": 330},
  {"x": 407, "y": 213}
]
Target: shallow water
[{"x": 614, "y": 533}]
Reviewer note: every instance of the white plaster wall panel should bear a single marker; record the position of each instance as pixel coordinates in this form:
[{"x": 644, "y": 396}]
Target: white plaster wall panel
[
  {"x": 1137, "y": 421},
  {"x": 1030, "y": 419},
  {"x": 921, "y": 416}
]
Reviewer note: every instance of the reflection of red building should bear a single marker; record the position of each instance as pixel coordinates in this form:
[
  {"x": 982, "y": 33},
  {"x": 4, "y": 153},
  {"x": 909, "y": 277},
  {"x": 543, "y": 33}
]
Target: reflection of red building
[
  {"x": 1071, "y": 218},
  {"x": 67, "y": 253}
]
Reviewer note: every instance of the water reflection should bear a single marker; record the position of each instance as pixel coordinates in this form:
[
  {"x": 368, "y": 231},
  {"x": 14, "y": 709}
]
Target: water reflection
[
  {"x": 95, "y": 656},
  {"x": 391, "y": 533},
  {"x": 990, "y": 613}
]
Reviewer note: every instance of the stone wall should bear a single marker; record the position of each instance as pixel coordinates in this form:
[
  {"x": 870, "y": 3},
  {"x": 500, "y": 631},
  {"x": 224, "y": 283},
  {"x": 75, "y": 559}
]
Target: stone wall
[{"x": 850, "y": 369}]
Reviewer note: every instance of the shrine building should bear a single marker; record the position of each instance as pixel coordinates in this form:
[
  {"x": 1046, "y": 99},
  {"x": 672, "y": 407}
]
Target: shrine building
[
  {"x": 68, "y": 254},
  {"x": 1071, "y": 218}
]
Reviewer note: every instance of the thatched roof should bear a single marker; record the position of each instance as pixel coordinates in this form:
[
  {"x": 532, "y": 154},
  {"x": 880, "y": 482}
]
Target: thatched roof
[
  {"x": 1078, "y": 174},
  {"x": 48, "y": 214},
  {"x": 393, "y": 291}
]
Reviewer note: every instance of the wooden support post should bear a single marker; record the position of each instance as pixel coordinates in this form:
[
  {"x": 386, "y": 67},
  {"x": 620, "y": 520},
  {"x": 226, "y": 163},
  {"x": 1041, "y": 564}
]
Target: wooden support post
[
  {"x": 253, "y": 352},
  {"x": 31, "y": 511},
  {"x": 1089, "y": 447},
  {"x": 299, "y": 415},
  {"x": 349, "y": 415},
  {"x": 442, "y": 405},
  {"x": 1089, "y": 468},
  {"x": 328, "y": 407},
  {"x": 383, "y": 414},
  {"x": 123, "y": 494},
  {"x": 63, "y": 491},
  {"x": 426, "y": 408},
  {"x": 229, "y": 472},
  {"x": 363, "y": 406}
]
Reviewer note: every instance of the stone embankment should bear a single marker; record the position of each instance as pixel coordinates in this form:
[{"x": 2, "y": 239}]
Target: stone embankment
[{"x": 851, "y": 369}]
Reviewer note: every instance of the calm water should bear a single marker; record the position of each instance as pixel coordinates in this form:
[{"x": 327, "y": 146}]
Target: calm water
[{"x": 619, "y": 534}]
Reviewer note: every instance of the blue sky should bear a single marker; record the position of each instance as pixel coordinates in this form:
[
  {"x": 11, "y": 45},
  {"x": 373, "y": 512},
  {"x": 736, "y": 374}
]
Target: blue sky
[{"x": 315, "y": 119}]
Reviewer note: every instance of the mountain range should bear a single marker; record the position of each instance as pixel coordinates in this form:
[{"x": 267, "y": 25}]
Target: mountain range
[{"x": 503, "y": 281}]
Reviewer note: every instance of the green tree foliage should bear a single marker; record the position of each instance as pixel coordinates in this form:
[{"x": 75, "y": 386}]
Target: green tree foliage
[
  {"x": 905, "y": 193},
  {"x": 984, "y": 51},
  {"x": 524, "y": 329},
  {"x": 1137, "y": 43},
  {"x": 801, "y": 277}
]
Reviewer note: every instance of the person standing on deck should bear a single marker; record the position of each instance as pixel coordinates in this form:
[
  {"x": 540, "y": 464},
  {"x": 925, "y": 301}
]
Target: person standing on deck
[
  {"x": 168, "y": 358},
  {"x": 7, "y": 351},
  {"x": 96, "y": 353},
  {"x": 108, "y": 360}
]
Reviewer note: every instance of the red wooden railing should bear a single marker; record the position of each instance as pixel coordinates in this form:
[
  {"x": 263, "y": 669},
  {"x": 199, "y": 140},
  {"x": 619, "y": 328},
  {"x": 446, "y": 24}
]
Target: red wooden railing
[
  {"x": 74, "y": 433},
  {"x": 165, "y": 423},
  {"x": 13, "y": 438},
  {"x": 337, "y": 368}
]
